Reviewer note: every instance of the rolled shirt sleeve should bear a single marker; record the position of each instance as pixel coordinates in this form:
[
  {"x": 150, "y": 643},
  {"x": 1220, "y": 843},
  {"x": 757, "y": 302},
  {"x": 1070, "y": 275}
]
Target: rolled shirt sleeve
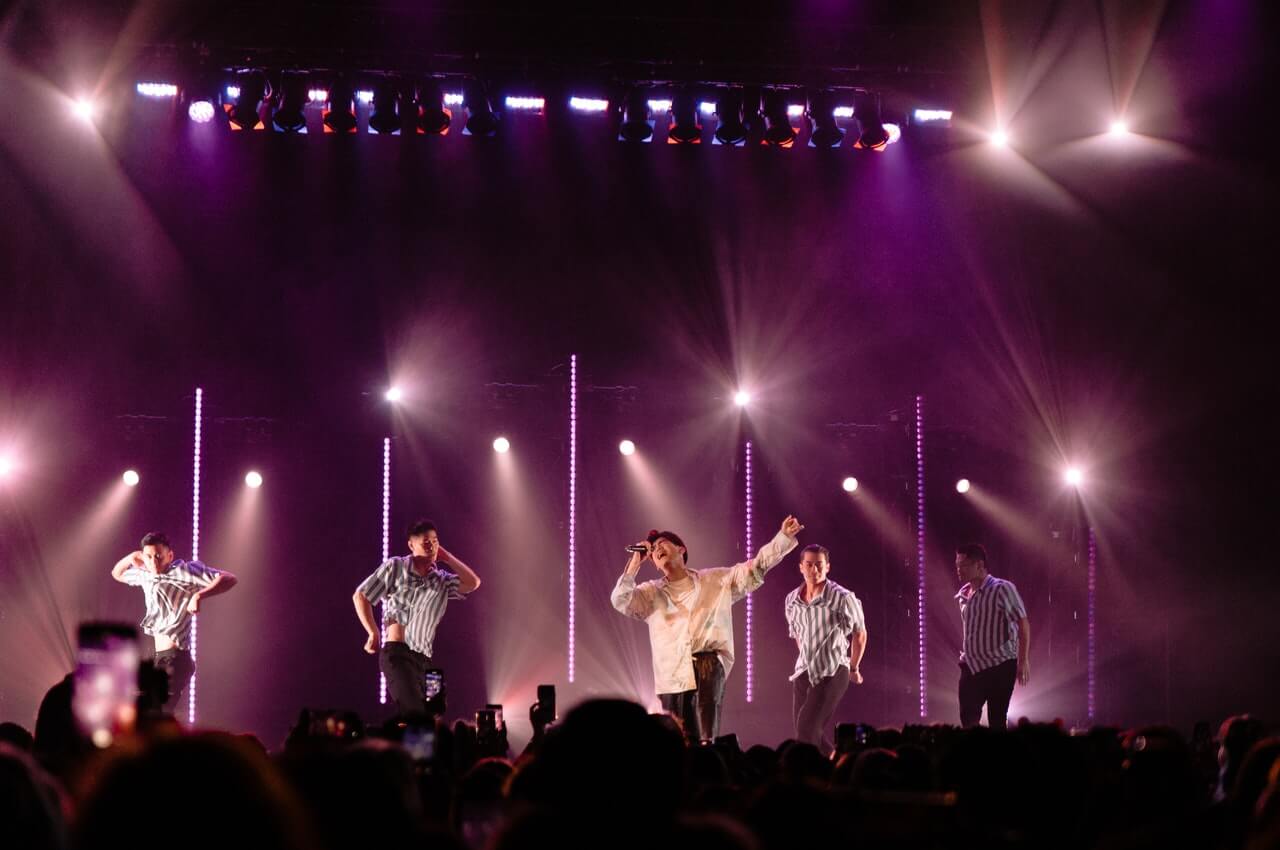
[
  {"x": 376, "y": 585},
  {"x": 632, "y": 600},
  {"x": 749, "y": 575}
]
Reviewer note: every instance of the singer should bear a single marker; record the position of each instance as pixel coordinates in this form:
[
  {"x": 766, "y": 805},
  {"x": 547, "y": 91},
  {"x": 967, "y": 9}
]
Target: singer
[
  {"x": 690, "y": 618},
  {"x": 414, "y": 590}
]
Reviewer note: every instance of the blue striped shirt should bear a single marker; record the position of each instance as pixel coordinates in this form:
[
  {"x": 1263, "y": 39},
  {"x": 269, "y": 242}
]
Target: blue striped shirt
[
  {"x": 822, "y": 628},
  {"x": 167, "y": 595},
  {"x": 990, "y": 616},
  {"x": 414, "y": 601}
]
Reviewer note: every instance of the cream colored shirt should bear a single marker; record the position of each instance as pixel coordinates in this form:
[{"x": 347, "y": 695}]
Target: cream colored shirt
[{"x": 701, "y": 621}]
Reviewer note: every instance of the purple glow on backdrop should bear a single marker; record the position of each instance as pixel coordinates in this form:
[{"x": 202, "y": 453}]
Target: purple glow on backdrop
[
  {"x": 195, "y": 548},
  {"x": 1091, "y": 703},
  {"x": 750, "y": 656},
  {"x": 573, "y": 493},
  {"x": 386, "y": 543},
  {"x": 920, "y": 560}
]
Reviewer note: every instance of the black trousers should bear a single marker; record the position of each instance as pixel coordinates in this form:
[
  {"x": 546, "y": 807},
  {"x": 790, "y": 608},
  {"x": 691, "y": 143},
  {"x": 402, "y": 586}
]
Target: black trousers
[
  {"x": 178, "y": 665},
  {"x": 813, "y": 706},
  {"x": 993, "y": 686},
  {"x": 699, "y": 709},
  {"x": 405, "y": 671}
]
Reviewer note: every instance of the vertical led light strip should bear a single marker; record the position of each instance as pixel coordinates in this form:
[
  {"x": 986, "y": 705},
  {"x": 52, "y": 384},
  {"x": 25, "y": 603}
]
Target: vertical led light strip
[
  {"x": 1092, "y": 704},
  {"x": 573, "y": 507},
  {"x": 386, "y": 543},
  {"x": 195, "y": 549},
  {"x": 750, "y": 610},
  {"x": 921, "y": 602}
]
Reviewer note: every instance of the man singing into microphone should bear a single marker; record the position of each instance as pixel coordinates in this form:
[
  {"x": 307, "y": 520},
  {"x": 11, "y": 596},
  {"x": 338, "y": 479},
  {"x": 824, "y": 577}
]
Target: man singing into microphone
[{"x": 690, "y": 618}]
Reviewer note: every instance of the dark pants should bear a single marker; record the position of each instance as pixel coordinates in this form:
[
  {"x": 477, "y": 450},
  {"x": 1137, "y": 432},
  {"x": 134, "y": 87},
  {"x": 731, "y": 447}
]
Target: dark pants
[
  {"x": 699, "y": 710},
  {"x": 178, "y": 665},
  {"x": 405, "y": 671},
  {"x": 994, "y": 686},
  {"x": 813, "y": 706}
]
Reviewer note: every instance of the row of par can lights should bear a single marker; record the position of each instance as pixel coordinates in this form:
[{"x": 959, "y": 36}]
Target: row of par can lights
[
  {"x": 252, "y": 479},
  {"x": 742, "y": 115}
]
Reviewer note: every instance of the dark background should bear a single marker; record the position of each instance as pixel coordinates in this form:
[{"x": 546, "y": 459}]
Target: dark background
[{"x": 1079, "y": 298}]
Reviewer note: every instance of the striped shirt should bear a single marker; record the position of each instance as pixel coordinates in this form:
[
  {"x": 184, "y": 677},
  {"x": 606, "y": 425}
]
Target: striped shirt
[
  {"x": 409, "y": 599},
  {"x": 822, "y": 628},
  {"x": 990, "y": 618},
  {"x": 167, "y": 595},
  {"x": 699, "y": 619}
]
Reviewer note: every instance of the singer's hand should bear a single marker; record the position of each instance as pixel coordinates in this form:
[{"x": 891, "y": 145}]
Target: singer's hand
[
  {"x": 791, "y": 526},
  {"x": 638, "y": 558}
]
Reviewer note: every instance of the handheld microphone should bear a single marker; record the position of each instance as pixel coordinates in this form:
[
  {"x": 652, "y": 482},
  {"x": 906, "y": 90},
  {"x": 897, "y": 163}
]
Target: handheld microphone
[{"x": 638, "y": 547}]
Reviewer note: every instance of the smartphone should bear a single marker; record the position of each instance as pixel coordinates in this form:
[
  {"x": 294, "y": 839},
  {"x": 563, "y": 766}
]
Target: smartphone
[
  {"x": 420, "y": 742},
  {"x": 547, "y": 701},
  {"x": 486, "y": 723},
  {"x": 846, "y": 737},
  {"x": 105, "y": 692},
  {"x": 729, "y": 742},
  {"x": 496, "y": 708},
  {"x": 432, "y": 683}
]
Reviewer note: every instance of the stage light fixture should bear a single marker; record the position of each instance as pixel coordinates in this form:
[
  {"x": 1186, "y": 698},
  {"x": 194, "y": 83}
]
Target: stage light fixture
[
  {"x": 637, "y": 119},
  {"x": 872, "y": 134},
  {"x": 394, "y": 394},
  {"x": 244, "y": 112},
  {"x": 1119, "y": 128},
  {"x": 778, "y": 130},
  {"x": 481, "y": 120},
  {"x": 588, "y": 104},
  {"x": 340, "y": 113},
  {"x": 201, "y": 111},
  {"x": 729, "y": 127},
  {"x": 6, "y": 467},
  {"x": 84, "y": 108},
  {"x": 289, "y": 115},
  {"x": 518, "y": 103},
  {"x": 850, "y": 484},
  {"x": 157, "y": 90},
  {"x": 130, "y": 478},
  {"x": 502, "y": 445},
  {"x": 931, "y": 117},
  {"x": 627, "y": 447},
  {"x": 742, "y": 398},
  {"x": 822, "y": 114},
  {"x": 433, "y": 116},
  {"x": 253, "y": 479},
  {"x": 685, "y": 128},
  {"x": 1073, "y": 476},
  {"x": 387, "y": 106},
  {"x": 963, "y": 485},
  {"x": 1000, "y": 138}
]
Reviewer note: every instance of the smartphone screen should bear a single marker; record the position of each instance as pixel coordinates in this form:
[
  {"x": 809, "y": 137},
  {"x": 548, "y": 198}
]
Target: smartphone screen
[
  {"x": 486, "y": 722},
  {"x": 420, "y": 742},
  {"x": 496, "y": 708},
  {"x": 105, "y": 694},
  {"x": 547, "y": 701},
  {"x": 432, "y": 684}
]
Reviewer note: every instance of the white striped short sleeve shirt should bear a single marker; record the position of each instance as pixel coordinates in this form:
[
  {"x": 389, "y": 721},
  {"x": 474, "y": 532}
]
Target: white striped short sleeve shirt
[
  {"x": 414, "y": 601},
  {"x": 822, "y": 628},
  {"x": 990, "y": 616},
  {"x": 167, "y": 595}
]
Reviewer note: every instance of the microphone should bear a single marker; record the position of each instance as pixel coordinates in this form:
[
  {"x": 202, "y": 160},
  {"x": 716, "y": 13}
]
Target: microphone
[{"x": 638, "y": 547}]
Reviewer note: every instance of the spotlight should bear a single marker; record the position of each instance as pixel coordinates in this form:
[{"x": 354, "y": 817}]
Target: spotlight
[
  {"x": 525, "y": 104},
  {"x": 84, "y": 109},
  {"x": 778, "y": 130},
  {"x": 394, "y": 394},
  {"x": 502, "y": 445},
  {"x": 387, "y": 109},
  {"x": 339, "y": 115},
  {"x": 253, "y": 479},
  {"x": 637, "y": 120},
  {"x": 480, "y": 118},
  {"x": 6, "y": 467},
  {"x": 588, "y": 104},
  {"x": 200, "y": 111},
  {"x": 433, "y": 115},
  {"x": 849, "y": 484},
  {"x": 1073, "y": 476},
  {"x": 627, "y": 447},
  {"x": 131, "y": 478},
  {"x": 200, "y": 93},
  {"x": 932, "y": 117},
  {"x": 288, "y": 116},
  {"x": 245, "y": 113},
  {"x": 822, "y": 114},
  {"x": 158, "y": 90},
  {"x": 872, "y": 134},
  {"x": 742, "y": 398},
  {"x": 1000, "y": 138},
  {"x": 685, "y": 129},
  {"x": 1119, "y": 128},
  {"x": 963, "y": 485},
  {"x": 729, "y": 127}
]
